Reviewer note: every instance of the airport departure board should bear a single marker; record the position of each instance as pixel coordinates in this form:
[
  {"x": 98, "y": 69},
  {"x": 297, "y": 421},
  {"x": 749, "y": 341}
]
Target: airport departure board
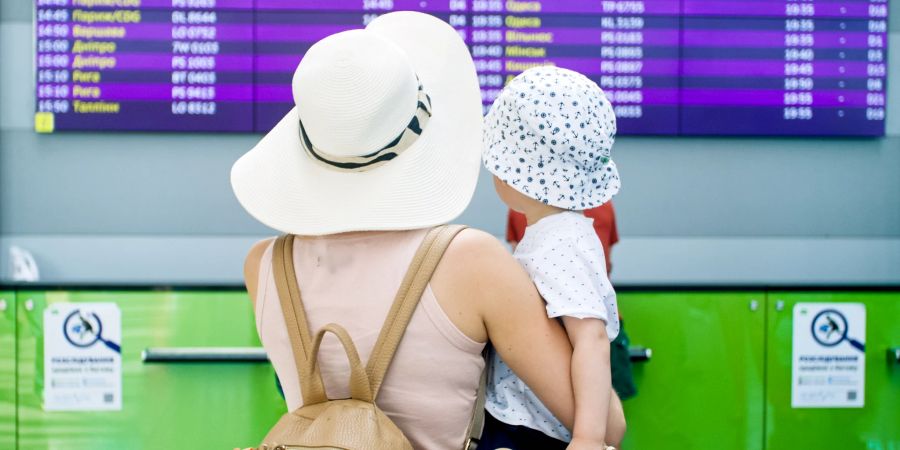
[{"x": 670, "y": 67}]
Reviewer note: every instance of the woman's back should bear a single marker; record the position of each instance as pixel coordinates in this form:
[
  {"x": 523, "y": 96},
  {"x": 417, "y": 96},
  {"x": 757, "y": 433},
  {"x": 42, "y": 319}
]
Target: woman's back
[{"x": 430, "y": 388}]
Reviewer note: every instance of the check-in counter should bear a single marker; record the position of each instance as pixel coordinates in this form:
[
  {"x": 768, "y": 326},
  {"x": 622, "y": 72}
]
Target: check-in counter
[
  {"x": 720, "y": 376},
  {"x": 165, "y": 404},
  {"x": 713, "y": 370}
]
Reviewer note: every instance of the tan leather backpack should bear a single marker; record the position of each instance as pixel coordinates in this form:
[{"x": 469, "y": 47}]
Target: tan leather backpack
[{"x": 355, "y": 423}]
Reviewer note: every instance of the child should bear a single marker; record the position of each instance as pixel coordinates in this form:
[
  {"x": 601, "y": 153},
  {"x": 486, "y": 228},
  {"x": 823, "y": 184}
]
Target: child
[{"x": 547, "y": 140}]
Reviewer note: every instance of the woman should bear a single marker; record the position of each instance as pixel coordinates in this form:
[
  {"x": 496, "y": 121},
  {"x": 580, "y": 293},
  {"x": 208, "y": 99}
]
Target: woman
[{"x": 383, "y": 144}]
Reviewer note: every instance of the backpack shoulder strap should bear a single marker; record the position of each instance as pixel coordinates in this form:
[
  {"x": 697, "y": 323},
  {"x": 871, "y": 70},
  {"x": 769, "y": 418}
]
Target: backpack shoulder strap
[
  {"x": 414, "y": 283},
  {"x": 311, "y": 387}
]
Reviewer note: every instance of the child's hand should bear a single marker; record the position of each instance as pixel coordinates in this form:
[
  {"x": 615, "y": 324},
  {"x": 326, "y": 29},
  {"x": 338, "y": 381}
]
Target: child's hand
[{"x": 579, "y": 443}]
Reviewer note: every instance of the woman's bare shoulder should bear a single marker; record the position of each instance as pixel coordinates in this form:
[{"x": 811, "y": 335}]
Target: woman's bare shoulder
[
  {"x": 252, "y": 264},
  {"x": 476, "y": 268},
  {"x": 472, "y": 242},
  {"x": 476, "y": 255}
]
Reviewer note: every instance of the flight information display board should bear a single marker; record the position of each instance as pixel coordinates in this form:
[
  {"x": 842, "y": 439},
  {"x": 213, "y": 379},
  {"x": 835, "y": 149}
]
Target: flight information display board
[
  {"x": 154, "y": 65},
  {"x": 670, "y": 67},
  {"x": 629, "y": 48},
  {"x": 784, "y": 67}
]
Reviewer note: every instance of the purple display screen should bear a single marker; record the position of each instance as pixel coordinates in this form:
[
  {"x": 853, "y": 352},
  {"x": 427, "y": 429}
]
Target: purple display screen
[{"x": 670, "y": 67}]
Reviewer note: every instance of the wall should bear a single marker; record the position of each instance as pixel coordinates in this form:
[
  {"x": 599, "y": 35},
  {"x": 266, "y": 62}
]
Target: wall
[{"x": 157, "y": 208}]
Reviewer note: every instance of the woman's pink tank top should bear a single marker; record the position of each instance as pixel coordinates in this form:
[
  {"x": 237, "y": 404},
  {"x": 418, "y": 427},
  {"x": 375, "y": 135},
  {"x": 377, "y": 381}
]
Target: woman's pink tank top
[{"x": 430, "y": 389}]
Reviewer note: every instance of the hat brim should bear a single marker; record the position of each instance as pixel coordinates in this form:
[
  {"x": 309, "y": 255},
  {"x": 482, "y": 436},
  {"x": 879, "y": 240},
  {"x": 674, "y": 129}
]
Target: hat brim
[
  {"x": 429, "y": 184},
  {"x": 579, "y": 200}
]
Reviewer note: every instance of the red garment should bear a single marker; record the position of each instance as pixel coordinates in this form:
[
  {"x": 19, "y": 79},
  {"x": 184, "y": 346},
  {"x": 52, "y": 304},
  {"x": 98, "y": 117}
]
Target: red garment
[{"x": 604, "y": 224}]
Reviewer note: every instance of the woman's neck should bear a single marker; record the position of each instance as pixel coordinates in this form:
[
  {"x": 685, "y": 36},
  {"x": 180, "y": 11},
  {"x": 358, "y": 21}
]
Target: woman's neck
[{"x": 350, "y": 235}]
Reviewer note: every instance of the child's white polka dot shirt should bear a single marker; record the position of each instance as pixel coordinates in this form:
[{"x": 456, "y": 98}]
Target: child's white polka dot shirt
[{"x": 564, "y": 258}]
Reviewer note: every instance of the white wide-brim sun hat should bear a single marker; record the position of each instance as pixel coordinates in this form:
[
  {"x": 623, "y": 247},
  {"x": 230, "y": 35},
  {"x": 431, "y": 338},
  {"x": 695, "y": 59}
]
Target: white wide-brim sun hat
[{"x": 385, "y": 134}]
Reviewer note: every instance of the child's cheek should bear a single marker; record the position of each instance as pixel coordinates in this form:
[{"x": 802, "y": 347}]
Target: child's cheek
[{"x": 502, "y": 190}]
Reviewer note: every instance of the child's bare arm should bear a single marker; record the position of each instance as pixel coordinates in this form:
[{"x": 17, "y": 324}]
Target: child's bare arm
[{"x": 591, "y": 381}]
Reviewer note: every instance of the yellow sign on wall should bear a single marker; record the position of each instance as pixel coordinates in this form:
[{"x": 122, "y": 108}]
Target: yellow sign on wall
[{"x": 44, "y": 122}]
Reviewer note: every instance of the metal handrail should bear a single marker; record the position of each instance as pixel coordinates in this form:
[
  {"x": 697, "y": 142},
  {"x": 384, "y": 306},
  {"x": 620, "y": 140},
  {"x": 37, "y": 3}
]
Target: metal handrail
[
  {"x": 258, "y": 354},
  {"x": 204, "y": 354},
  {"x": 640, "y": 354}
]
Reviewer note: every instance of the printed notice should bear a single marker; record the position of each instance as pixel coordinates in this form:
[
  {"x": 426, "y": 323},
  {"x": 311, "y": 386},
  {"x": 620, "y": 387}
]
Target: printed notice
[
  {"x": 82, "y": 357},
  {"x": 829, "y": 355}
]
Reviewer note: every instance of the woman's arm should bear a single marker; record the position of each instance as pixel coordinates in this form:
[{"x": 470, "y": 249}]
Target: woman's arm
[
  {"x": 487, "y": 294},
  {"x": 615, "y": 425}
]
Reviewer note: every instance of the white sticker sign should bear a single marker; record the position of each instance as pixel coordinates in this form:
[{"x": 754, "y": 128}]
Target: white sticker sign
[
  {"x": 829, "y": 355},
  {"x": 82, "y": 357}
]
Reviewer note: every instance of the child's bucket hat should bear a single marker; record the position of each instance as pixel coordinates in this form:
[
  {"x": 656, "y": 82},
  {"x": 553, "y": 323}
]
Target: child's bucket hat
[{"x": 549, "y": 135}]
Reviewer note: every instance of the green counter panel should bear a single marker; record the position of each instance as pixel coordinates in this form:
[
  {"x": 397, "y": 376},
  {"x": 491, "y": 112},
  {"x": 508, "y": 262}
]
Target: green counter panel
[
  {"x": 7, "y": 370},
  {"x": 874, "y": 427},
  {"x": 703, "y": 386},
  {"x": 165, "y": 406}
]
